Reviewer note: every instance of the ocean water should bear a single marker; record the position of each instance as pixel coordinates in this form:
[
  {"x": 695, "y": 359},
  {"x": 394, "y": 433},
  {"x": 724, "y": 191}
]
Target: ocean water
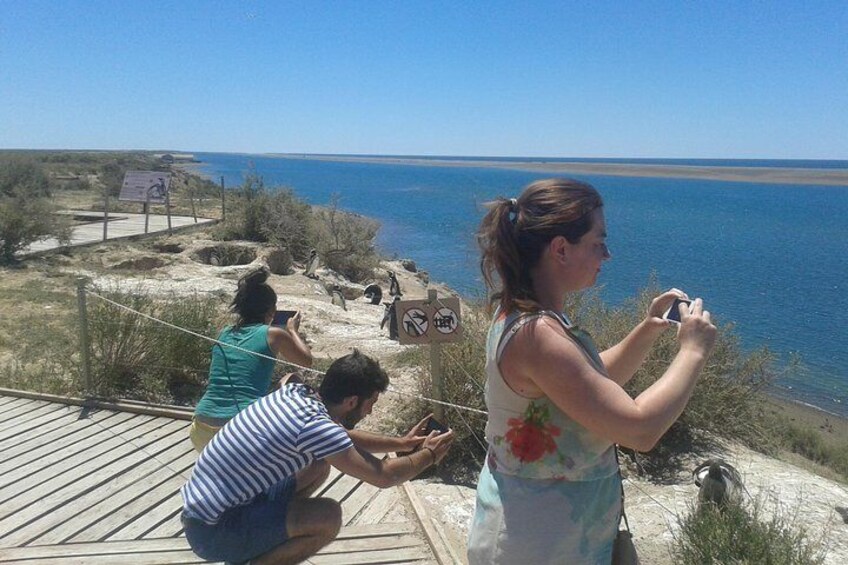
[{"x": 771, "y": 258}]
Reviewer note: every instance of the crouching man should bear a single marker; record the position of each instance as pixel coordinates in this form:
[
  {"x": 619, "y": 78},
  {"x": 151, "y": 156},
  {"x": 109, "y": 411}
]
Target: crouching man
[{"x": 248, "y": 496}]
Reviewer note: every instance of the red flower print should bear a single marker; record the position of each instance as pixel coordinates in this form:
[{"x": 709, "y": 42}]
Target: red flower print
[{"x": 532, "y": 438}]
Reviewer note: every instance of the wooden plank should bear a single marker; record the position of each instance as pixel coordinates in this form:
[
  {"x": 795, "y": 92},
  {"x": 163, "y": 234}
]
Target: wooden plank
[
  {"x": 28, "y": 428},
  {"x": 154, "y": 515},
  {"x": 47, "y": 462},
  {"x": 441, "y": 550},
  {"x": 170, "y": 528},
  {"x": 371, "y": 557},
  {"x": 377, "y": 508},
  {"x": 47, "y": 454},
  {"x": 334, "y": 476},
  {"x": 160, "y": 410},
  {"x": 99, "y": 503},
  {"x": 4, "y": 400},
  {"x": 41, "y": 553},
  {"x": 12, "y": 415},
  {"x": 357, "y": 501},
  {"x": 371, "y": 544},
  {"x": 89, "y": 476},
  {"x": 183, "y": 557},
  {"x": 342, "y": 488},
  {"x": 21, "y": 408}
]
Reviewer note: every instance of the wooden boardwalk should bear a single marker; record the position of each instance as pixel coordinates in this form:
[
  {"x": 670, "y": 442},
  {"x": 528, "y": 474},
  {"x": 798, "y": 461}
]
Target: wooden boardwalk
[
  {"x": 97, "y": 483},
  {"x": 121, "y": 225}
]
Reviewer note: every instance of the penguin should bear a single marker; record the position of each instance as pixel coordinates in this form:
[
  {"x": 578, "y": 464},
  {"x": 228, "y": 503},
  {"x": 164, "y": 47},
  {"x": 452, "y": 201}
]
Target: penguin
[
  {"x": 373, "y": 293},
  {"x": 312, "y": 265},
  {"x": 338, "y": 297},
  {"x": 719, "y": 483}
]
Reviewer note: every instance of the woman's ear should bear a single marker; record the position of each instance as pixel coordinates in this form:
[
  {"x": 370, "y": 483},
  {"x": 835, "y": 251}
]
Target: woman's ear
[{"x": 559, "y": 249}]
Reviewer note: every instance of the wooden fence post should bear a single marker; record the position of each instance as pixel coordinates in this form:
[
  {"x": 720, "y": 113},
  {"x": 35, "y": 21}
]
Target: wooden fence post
[
  {"x": 84, "y": 341},
  {"x": 223, "y": 201}
]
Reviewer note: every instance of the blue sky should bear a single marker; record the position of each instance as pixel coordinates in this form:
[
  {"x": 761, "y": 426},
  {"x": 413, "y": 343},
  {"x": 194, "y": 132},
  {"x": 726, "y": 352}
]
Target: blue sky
[{"x": 583, "y": 79}]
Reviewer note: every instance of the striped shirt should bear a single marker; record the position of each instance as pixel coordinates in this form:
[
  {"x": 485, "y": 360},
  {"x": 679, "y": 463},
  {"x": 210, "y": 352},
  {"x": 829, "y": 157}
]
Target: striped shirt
[{"x": 273, "y": 438}]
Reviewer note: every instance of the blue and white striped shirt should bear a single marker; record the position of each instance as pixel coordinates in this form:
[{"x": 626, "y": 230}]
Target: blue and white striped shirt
[{"x": 273, "y": 438}]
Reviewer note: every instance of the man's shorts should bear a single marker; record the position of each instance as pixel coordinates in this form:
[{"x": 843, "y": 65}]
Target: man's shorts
[{"x": 244, "y": 532}]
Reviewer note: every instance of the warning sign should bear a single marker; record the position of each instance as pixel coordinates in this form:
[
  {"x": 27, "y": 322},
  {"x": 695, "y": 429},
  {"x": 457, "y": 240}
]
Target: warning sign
[
  {"x": 446, "y": 321},
  {"x": 415, "y": 322},
  {"x": 145, "y": 186},
  {"x": 428, "y": 321}
]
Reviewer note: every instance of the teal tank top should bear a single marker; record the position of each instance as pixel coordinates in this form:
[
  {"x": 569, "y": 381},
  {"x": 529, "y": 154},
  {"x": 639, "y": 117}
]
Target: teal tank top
[{"x": 237, "y": 378}]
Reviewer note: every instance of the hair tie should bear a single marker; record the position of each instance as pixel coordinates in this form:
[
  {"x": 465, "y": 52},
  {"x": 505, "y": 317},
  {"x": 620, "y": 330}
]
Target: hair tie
[{"x": 513, "y": 210}]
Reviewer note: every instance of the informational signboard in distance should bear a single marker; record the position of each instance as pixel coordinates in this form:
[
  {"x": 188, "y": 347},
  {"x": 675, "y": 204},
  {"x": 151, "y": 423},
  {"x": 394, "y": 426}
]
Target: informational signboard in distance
[
  {"x": 426, "y": 321},
  {"x": 145, "y": 186}
]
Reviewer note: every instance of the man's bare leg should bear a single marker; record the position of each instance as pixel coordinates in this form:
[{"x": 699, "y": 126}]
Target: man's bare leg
[{"x": 311, "y": 524}]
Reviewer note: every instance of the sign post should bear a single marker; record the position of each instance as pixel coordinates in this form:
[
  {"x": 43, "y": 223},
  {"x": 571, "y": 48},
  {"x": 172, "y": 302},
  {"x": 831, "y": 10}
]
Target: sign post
[
  {"x": 436, "y": 368},
  {"x": 432, "y": 321},
  {"x": 149, "y": 187}
]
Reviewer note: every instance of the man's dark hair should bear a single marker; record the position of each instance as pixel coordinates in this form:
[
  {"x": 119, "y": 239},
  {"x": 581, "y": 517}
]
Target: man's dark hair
[{"x": 355, "y": 374}]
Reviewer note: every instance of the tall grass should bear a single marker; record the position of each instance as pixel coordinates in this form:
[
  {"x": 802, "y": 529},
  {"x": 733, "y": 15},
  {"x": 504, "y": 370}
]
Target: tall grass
[
  {"x": 133, "y": 357},
  {"x": 741, "y": 534}
]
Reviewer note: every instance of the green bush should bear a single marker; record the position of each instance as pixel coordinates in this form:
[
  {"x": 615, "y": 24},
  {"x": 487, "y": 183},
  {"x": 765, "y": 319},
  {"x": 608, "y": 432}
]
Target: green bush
[
  {"x": 736, "y": 534},
  {"x": 26, "y": 213},
  {"x": 133, "y": 357},
  {"x": 345, "y": 241},
  {"x": 275, "y": 216}
]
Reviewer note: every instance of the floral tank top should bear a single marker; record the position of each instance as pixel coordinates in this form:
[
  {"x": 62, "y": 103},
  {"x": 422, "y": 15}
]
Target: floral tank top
[{"x": 532, "y": 438}]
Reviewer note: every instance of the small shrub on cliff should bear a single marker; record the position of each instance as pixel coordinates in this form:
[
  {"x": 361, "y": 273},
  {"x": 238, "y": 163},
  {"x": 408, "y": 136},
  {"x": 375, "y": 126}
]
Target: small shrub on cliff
[
  {"x": 26, "y": 213},
  {"x": 345, "y": 241},
  {"x": 276, "y": 216}
]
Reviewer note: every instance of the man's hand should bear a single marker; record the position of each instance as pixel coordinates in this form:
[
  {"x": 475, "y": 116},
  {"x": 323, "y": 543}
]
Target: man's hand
[
  {"x": 416, "y": 435},
  {"x": 439, "y": 444}
]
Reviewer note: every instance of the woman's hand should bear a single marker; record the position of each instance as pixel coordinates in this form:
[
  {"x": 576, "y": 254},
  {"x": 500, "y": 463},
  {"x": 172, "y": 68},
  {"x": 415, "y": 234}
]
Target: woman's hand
[
  {"x": 293, "y": 323},
  {"x": 696, "y": 333},
  {"x": 659, "y": 305}
]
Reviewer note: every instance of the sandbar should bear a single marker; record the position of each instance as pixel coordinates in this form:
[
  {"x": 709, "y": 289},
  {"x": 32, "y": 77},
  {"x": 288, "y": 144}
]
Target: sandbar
[{"x": 766, "y": 175}]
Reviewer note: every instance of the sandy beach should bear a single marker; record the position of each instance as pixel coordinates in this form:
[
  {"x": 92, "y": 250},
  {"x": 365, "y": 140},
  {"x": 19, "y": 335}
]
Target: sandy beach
[{"x": 768, "y": 175}]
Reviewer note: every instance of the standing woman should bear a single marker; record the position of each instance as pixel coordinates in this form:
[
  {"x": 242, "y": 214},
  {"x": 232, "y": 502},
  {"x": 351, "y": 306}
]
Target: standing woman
[
  {"x": 550, "y": 489},
  {"x": 238, "y": 377}
]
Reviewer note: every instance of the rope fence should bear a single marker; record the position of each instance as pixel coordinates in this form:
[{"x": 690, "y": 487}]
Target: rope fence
[{"x": 276, "y": 360}]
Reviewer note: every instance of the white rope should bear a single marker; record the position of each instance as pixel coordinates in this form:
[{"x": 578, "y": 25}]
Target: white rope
[{"x": 274, "y": 359}]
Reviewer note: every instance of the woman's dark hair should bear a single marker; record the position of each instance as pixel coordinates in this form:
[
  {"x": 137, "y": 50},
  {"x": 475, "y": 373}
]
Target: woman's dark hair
[
  {"x": 514, "y": 233},
  {"x": 254, "y": 298},
  {"x": 355, "y": 374}
]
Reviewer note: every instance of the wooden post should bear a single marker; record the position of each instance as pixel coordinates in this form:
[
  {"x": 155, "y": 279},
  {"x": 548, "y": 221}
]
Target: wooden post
[
  {"x": 105, "y": 213},
  {"x": 436, "y": 369},
  {"x": 84, "y": 341},
  {"x": 223, "y": 201},
  {"x": 146, "y": 212},
  {"x": 191, "y": 197},
  {"x": 168, "y": 207}
]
